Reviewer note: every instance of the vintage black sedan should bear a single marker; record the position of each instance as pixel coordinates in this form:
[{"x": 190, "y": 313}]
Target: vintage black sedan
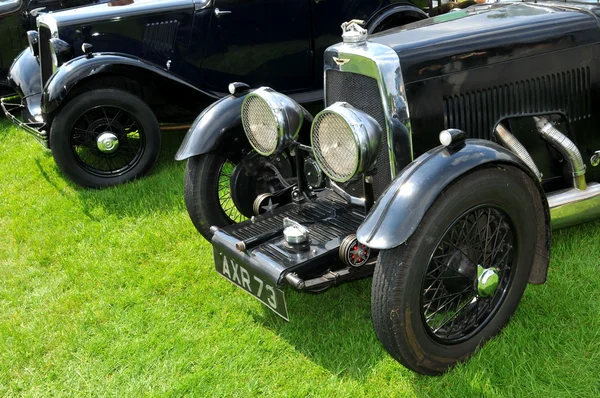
[
  {"x": 16, "y": 18},
  {"x": 112, "y": 73},
  {"x": 447, "y": 152}
]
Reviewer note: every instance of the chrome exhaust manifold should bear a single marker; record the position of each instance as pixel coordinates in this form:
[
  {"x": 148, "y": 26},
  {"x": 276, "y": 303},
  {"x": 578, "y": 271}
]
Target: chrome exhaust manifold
[{"x": 571, "y": 206}]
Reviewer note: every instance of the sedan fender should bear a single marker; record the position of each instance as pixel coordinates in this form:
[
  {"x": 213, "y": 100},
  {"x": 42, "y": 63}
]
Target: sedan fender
[
  {"x": 217, "y": 124},
  {"x": 396, "y": 215},
  {"x": 86, "y": 67},
  {"x": 24, "y": 74},
  {"x": 24, "y": 78}
]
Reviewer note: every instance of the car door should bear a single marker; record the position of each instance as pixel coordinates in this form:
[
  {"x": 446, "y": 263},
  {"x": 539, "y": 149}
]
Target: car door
[{"x": 259, "y": 42}]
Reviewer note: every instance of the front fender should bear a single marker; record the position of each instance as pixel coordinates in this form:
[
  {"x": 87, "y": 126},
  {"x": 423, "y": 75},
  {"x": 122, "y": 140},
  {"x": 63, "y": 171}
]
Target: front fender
[
  {"x": 79, "y": 69},
  {"x": 400, "y": 209},
  {"x": 24, "y": 74},
  {"x": 218, "y": 123}
]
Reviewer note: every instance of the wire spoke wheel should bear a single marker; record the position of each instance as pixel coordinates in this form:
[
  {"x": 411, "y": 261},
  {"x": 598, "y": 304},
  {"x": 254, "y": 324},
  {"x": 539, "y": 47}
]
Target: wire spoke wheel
[
  {"x": 458, "y": 279},
  {"x": 224, "y": 190},
  {"x": 107, "y": 141},
  {"x": 220, "y": 190},
  {"x": 468, "y": 274}
]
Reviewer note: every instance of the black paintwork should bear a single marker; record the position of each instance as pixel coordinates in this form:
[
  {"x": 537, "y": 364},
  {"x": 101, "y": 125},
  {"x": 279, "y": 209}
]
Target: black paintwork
[
  {"x": 414, "y": 190},
  {"x": 108, "y": 64},
  {"x": 24, "y": 76},
  {"x": 15, "y": 21},
  {"x": 473, "y": 68},
  {"x": 222, "y": 119},
  {"x": 218, "y": 128},
  {"x": 328, "y": 222},
  {"x": 279, "y": 43}
]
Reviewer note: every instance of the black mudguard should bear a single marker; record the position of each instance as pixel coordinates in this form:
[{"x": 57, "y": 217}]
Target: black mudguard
[
  {"x": 397, "y": 214},
  {"x": 79, "y": 69},
  {"x": 218, "y": 124},
  {"x": 24, "y": 74},
  {"x": 24, "y": 78}
]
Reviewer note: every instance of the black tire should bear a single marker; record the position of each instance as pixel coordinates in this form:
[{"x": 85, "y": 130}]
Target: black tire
[
  {"x": 204, "y": 179},
  {"x": 84, "y": 118},
  {"x": 515, "y": 211}
]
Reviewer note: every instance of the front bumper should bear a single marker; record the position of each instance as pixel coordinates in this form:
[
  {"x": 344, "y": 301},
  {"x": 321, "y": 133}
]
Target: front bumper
[
  {"x": 27, "y": 116},
  {"x": 259, "y": 245}
]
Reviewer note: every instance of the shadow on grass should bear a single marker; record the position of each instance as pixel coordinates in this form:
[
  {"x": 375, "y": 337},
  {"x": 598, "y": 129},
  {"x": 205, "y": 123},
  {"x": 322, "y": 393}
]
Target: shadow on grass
[
  {"x": 335, "y": 331},
  {"x": 332, "y": 328},
  {"x": 159, "y": 191}
]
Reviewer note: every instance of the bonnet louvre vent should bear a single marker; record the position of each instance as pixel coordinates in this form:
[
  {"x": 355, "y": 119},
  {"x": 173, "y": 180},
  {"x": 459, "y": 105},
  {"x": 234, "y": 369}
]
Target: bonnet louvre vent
[
  {"x": 159, "y": 37},
  {"x": 478, "y": 111}
]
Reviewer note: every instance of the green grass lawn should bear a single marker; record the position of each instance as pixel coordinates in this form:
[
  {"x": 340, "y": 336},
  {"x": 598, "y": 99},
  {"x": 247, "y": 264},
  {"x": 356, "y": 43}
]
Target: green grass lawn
[{"x": 113, "y": 293}]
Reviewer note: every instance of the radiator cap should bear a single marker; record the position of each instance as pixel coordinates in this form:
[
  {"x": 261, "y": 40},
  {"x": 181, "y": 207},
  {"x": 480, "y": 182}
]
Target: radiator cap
[{"x": 353, "y": 32}]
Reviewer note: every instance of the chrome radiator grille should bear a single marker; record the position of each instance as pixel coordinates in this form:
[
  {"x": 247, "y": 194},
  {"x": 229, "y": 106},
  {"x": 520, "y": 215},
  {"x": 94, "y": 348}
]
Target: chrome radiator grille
[
  {"x": 45, "y": 54},
  {"x": 362, "y": 92}
]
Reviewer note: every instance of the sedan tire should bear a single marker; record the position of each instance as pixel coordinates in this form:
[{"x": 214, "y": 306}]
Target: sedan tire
[{"x": 105, "y": 137}]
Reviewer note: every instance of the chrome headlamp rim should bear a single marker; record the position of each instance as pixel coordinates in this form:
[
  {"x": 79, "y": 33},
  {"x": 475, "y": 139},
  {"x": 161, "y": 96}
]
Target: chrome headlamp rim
[
  {"x": 366, "y": 133},
  {"x": 288, "y": 114}
]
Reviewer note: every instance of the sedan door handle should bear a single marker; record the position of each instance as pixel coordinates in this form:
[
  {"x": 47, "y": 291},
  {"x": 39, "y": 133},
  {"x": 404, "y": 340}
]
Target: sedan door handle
[{"x": 218, "y": 12}]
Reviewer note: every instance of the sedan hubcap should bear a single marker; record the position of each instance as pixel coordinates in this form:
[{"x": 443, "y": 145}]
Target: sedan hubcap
[
  {"x": 107, "y": 142},
  {"x": 487, "y": 281}
]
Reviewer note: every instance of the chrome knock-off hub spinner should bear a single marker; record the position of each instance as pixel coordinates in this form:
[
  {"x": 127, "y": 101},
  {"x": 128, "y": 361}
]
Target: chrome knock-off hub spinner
[
  {"x": 107, "y": 142},
  {"x": 487, "y": 281}
]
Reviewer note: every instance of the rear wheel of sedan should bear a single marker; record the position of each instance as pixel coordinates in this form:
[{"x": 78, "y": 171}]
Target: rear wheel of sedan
[
  {"x": 459, "y": 278},
  {"x": 105, "y": 137}
]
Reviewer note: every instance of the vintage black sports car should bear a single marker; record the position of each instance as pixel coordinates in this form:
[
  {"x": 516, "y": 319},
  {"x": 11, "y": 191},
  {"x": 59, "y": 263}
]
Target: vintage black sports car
[
  {"x": 111, "y": 73},
  {"x": 447, "y": 151},
  {"x": 16, "y": 18}
]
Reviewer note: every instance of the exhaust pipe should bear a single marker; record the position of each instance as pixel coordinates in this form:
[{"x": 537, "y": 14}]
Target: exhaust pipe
[
  {"x": 571, "y": 206},
  {"x": 512, "y": 143},
  {"x": 580, "y": 203},
  {"x": 566, "y": 147}
]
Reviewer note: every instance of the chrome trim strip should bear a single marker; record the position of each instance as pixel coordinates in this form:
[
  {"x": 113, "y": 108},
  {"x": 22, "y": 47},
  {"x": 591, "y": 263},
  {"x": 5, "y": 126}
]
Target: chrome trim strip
[
  {"x": 381, "y": 63},
  {"x": 49, "y": 22}
]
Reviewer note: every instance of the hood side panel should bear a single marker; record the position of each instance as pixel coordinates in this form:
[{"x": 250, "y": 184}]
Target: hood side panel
[
  {"x": 479, "y": 37},
  {"x": 475, "y": 100}
]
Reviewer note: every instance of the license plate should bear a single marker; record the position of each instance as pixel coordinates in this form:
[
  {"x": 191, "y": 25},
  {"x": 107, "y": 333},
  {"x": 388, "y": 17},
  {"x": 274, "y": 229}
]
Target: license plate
[{"x": 242, "y": 276}]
